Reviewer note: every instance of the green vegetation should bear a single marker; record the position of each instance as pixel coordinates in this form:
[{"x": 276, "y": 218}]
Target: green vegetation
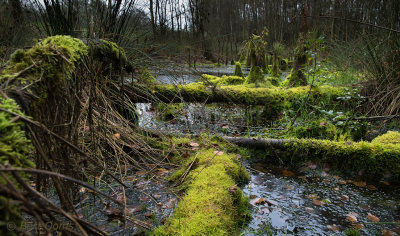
[
  {"x": 238, "y": 70},
  {"x": 15, "y": 150},
  {"x": 212, "y": 204}
]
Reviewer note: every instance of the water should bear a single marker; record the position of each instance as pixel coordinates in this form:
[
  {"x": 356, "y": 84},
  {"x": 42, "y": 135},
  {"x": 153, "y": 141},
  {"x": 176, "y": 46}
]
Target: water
[{"x": 290, "y": 209}]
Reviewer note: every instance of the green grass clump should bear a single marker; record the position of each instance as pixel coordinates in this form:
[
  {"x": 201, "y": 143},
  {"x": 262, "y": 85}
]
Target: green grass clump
[
  {"x": 208, "y": 207},
  {"x": 392, "y": 137}
]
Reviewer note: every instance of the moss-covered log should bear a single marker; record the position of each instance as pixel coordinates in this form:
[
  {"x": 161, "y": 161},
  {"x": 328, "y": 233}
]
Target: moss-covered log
[
  {"x": 239, "y": 94},
  {"x": 375, "y": 159},
  {"x": 212, "y": 204}
]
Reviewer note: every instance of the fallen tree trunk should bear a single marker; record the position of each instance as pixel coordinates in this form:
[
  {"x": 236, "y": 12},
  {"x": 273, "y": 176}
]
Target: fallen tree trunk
[{"x": 373, "y": 158}]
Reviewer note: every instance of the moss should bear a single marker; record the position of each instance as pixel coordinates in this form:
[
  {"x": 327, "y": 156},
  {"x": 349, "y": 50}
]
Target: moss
[
  {"x": 391, "y": 137},
  {"x": 318, "y": 129},
  {"x": 146, "y": 76},
  {"x": 168, "y": 112},
  {"x": 375, "y": 159},
  {"x": 255, "y": 76},
  {"x": 15, "y": 150},
  {"x": 238, "y": 70},
  {"x": 296, "y": 78},
  {"x": 208, "y": 207},
  {"x": 224, "y": 80},
  {"x": 275, "y": 81}
]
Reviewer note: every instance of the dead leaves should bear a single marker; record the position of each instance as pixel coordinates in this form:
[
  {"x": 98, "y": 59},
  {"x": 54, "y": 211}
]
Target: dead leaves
[
  {"x": 259, "y": 201},
  {"x": 373, "y": 218},
  {"x": 352, "y": 217},
  {"x": 318, "y": 202},
  {"x": 287, "y": 173}
]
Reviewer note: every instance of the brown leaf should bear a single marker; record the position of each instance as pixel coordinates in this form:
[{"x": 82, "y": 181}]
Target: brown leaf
[
  {"x": 341, "y": 182},
  {"x": 359, "y": 226},
  {"x": 290, "y": 187},
  {"x": 134, "y": 209},
  {"x": 387, "y": 232},
  {"x": 233, "y": 189},
  {"x": 144, "y": 198},
  {"x": 333, "y": 227},
  {"x": 129, "y": 178},
  {"x": 112, "y": 212},
  {"x": 116, "y": 136},
  {"x": 384, "y": 183},
  {"x": 336, "y": 177},
  {"x": 141, "y": 173},
  {"x": 317, "y": 202},
  {"x": 372, "y": 187},
  {"x": 310, "y": 210},
  {"x": 336, "y": 189},
  {"x": 194, "y": 144},
  {"x": 162, "y": 171},
  {"x": 311, "y": 165},
  {"x": 352, "y": 217},
  {"x": 259, "y": 201},
  {"x": 360, "y": 184},
  {"x": 148, "y": 214},
  {"x": 344, "y": 197},
  {"x": 218, "y": 153},
  {"x": 372, "y": 217},
  {"x": 225, "y": 127},
  {"x": 157, "y": 195},
  {"x": 287, "y": 173},
  {"x": 312, "y": 196}
]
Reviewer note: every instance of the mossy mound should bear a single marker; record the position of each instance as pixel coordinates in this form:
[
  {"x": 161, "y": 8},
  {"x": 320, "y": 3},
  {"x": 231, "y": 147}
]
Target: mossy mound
[
  {"x": 15, "y": 150},
  {"x": 275, "y": 81},
  {"x": 167, "y": 112},
  {"x": 391, "y": 137},
  {"x": 53, "y": 58},
  {"x": 224, "y": 80},
  {"x": 256, "y": 76},
  {"x": 238, "y": 70},
  {"x": 295, "y": 79},
  {"x": 213, "y": 204}
]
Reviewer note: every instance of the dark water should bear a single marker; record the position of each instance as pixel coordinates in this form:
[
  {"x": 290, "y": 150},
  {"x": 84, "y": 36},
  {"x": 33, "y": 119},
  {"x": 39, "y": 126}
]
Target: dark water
[
  {"x": 198, "y": 118},
  {"x": 290, "y": 209}
]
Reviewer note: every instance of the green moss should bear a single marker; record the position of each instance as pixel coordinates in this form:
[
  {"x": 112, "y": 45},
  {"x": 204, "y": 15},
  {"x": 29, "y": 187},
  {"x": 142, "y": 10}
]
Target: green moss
[
  {"x": 15, "y": 150},
  {"x": 375, "y": 159},
  {"x": 318, "y": 129},
  {"x": 255, "y": 76},
  {"x": 146, "y": 76},
  {"x": 238, "y": 70},
  {"x": 391, "y": 137},
  {"x": 168, "y": 111},
  {"x": 208, "y": 207},
  {"x": 296, "y": 78},
  {"x": 275, "y": 81},
  {"x": 224, "y": 80}
]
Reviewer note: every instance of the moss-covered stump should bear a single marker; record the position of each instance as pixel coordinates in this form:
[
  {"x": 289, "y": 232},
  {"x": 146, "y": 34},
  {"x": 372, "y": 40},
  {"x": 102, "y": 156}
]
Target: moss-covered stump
[
  {"x": 375, "y": 159},
  {"x": 238, "y": 70},
  {"x": 296, "y": 78},
  {"x": 212, "y": 204},
  {"x": 15, "y": 150},
  {"x": 256, "y": 76}
]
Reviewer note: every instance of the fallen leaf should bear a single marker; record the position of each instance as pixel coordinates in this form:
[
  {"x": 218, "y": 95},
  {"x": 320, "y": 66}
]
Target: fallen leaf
[
  {"x": 157, "y": 195},
  {"x": 352, "y": 217},
  {"x": 359, "y": 226},
  {"x": 324, "y": 174},
  {"x": 287, "y": 173},
  {"x": 225, "y": 127},
  {"x": 310, "y": 210},
  {"x": 387, "y": 232},
  {"x": 311, "y": 165},
  {"x": 326, "y": 200},
  {"x": 372, "y": 187},
  {"x": 336, "y": 177},
  {"x": 333, "y": 227},
  {"x": 162, "y": 171},
  {"x": 141, "y": 172},
  {"x": 82, "y": 190},
  {"x": 372, "y": 217},
  {"x": 326, "y": 181},
  {"x": 259, "y": 201},
  {"x": 341, "y": 182},
  {"x": 384, "y": 183},
  {"x": 194, "y": 144},
  {"x": 317, "y": 202},
  {"x": 129, "y": 178},
  {"x": 134, "y": 209},
  {"x": 112, "y": 212},
  {"x": 148, "y": 214},
  {"x": 312, "y": 196},
  {"x": 116, "y": 136},
  {"x": 360, "y": 184},
  {"x": 290, "y": 187},
  {"x": 144, "y": 198},
  {"x": 233, "y": 189},
  {"x": 344, "y": 197},
  {"x": 336, "y": 189},
  {"x": 218, "y": 153}
]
